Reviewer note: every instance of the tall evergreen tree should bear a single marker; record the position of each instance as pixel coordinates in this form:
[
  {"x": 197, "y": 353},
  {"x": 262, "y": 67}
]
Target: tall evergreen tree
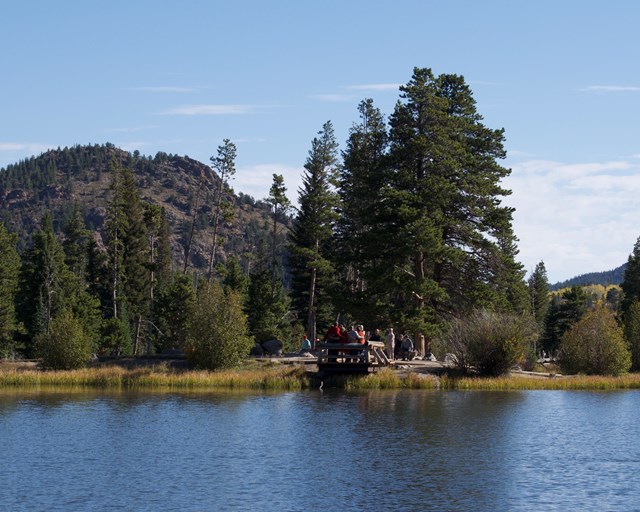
[
  {"x": 153, "y": 217},
  {"x": 563, "y": 312},
  {"x": 42, "y": 278},
  {"x": 539, "y": 294},
  {"x": 631, "y": 282},
  {"x": 76, "y": 238},
  {"x": 9, "y": 268},
  {"x": 311, "y": 237},
  {"x": 224, "y": 163},
  {"x": 174, "y": 305},
  {"x": 234, "y": 277},
  {"x": 136, "y": 249},
  {"x": 267, "y": 307},
  {"x": 127, "y": 256},
  {"x": 280, "y": 204},
  {"x": 47, "y": 288},
  {"x": 363, "y": 176},
  {"x": 632, "y": 333},
  {"x": 116, "y": 224},
  {"x": 453, "y": 240}
]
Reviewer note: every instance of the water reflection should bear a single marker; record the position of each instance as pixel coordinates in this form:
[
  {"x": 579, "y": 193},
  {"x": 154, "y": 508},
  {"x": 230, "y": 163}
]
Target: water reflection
[{"x": 380, "y": 450}]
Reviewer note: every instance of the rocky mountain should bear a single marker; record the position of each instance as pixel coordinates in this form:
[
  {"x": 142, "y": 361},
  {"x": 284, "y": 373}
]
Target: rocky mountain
[{"x": 60, "y": 179}]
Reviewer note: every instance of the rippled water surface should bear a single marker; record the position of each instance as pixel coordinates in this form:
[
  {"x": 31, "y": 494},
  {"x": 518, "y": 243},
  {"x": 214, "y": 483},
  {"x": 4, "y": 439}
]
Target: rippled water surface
[{"x": 331, "y": 451}]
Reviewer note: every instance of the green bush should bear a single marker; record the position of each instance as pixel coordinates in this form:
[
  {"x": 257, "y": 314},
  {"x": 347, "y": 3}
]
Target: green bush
[
  {"x": 66, "y": 346},
  {"x": 489, "y": 343},
  {"x": 217, "y": 329},
  {"x": 595, "y": 345}
]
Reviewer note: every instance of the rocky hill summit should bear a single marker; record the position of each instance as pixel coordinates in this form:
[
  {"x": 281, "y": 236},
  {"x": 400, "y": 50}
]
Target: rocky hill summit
[{"x": 79, "y": 177}]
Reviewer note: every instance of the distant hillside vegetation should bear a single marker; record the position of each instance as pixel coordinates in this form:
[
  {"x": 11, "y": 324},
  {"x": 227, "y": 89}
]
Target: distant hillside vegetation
[
  {"x": 60, "y": 179},
  {"x": 607, "y": 278}
]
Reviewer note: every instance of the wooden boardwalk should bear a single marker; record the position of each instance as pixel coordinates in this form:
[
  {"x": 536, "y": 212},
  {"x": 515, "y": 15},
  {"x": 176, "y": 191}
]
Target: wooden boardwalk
[{"x": 351, "y": 357}]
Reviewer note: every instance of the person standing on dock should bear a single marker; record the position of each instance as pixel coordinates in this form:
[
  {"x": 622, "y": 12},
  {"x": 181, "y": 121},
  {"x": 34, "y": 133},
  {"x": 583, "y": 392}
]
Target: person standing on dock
[{"x": 390, "y": 342}]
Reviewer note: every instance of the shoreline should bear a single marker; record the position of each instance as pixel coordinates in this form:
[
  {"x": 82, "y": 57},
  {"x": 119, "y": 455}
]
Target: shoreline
[{"x": 284, "y": 374}]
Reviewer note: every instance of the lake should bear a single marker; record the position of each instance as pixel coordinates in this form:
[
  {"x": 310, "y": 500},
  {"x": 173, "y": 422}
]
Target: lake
[{"x": 320, "y": 451}]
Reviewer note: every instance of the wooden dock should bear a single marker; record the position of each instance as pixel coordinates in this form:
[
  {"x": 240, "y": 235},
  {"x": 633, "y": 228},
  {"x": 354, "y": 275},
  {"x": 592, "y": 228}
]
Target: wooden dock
[{"x": 351, "y": 357}]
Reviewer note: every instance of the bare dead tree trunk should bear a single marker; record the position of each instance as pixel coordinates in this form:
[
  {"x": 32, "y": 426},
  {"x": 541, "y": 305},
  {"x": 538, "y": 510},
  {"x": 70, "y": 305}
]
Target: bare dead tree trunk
[
  {"x": 216, "y": 221},
  {"x": 136, "y": 345},
  {"x": 187, "y": 252},
  {"x": 311, "y": 316}
]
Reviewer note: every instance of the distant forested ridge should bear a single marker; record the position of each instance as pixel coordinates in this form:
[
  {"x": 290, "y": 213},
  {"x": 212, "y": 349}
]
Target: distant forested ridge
[
  {"x": 63, "y": 180},
  {"x": 606, "y": 278}
]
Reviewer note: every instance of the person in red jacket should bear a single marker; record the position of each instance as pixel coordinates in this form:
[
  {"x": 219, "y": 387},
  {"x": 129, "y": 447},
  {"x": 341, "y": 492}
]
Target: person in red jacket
[{"x": 333, "y": 334}]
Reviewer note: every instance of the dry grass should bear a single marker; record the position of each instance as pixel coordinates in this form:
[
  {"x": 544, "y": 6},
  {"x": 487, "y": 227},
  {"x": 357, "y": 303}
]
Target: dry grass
[
  {"x": 260, "y": 375},
  {"x": 517, "y": 382},
  {"x": 391, "y": 379},
  {"x": 158, "y": 377}
]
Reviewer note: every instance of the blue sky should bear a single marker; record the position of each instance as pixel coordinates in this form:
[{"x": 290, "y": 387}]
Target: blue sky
[{"x": 561, "y": 77}]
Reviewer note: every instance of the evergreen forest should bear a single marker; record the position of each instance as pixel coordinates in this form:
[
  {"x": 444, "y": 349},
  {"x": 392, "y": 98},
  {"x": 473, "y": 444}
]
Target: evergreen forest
[{"x": 406, "y": 224}]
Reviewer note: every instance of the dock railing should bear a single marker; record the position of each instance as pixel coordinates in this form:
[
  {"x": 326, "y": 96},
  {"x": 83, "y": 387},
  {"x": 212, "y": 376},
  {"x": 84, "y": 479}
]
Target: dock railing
[{"x": 352, "y": 356}]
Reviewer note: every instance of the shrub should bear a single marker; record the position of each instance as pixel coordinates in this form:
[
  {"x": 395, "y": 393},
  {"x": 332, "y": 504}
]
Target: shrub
[
  {"x": 489, "y": 343},
  {"x": 595, "y": 345},
  {"x": 66, "y": 346},
  {"x": 217, "y": 329}
]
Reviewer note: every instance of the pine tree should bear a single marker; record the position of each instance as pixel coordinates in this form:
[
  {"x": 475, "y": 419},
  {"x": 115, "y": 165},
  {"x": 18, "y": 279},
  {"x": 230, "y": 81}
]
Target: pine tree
[
  {"x": 454, "y": 247},
  {"x": 116, "y": 224},
  {"x": 127, "y": 250},
  {"x": 41, "y": 284},
  {"x": 563, "y": 312},
  {"x": 311, "y": 237},
  {"x": 363, "y": 176},
  {"x": 135, "y": 257},
  {"x": 234, "y": 278},
  {"x": 539, "y": 294},
  {"x": 267, "y": 307},
  {"x": 632, "y": 333},
  {"x": 280, "y": 203},
  {"x": 153, "y": 215},
  {"x": 174, "y": 305},
  {"x": 224, "y": 163},
  {"x": 76, "y": 238},
  {"x": 9, "y": 268},
  {"x": 47, "y": 289},
  {"x": 631, "y": 281}
]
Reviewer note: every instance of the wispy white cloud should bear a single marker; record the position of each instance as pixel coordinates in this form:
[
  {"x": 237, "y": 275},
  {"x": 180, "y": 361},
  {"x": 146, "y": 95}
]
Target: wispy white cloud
[
  {"x": 374, "y": 87},
  {"x": 612, "y": 88},
  {"x": 334, "y": 98},
  {"x": 132, "y": 146},
  {"x": 210, "y": 110},
  {"x": 31, "y": 147},
  {"x": 351, "y": 90},
  {"x": 163, "y": 88},
  {"x": 131, "y": 129},
  {"x": 576, "y": 217}
]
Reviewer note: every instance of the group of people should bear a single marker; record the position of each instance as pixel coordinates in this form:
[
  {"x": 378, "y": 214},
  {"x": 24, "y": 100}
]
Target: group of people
[{"x": 400, "y": 348}]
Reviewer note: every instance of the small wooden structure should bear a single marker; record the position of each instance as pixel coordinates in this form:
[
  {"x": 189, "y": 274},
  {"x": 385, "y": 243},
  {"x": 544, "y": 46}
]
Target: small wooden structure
[{"x": 351, "y": 357}]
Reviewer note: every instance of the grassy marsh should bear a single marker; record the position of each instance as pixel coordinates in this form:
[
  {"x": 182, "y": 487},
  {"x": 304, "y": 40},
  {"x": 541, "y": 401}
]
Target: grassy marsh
[{"x": 260, "y": 375}]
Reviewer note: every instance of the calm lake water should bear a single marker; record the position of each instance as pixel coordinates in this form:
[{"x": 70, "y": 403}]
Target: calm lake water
[{"x": 313, "y": 451}]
